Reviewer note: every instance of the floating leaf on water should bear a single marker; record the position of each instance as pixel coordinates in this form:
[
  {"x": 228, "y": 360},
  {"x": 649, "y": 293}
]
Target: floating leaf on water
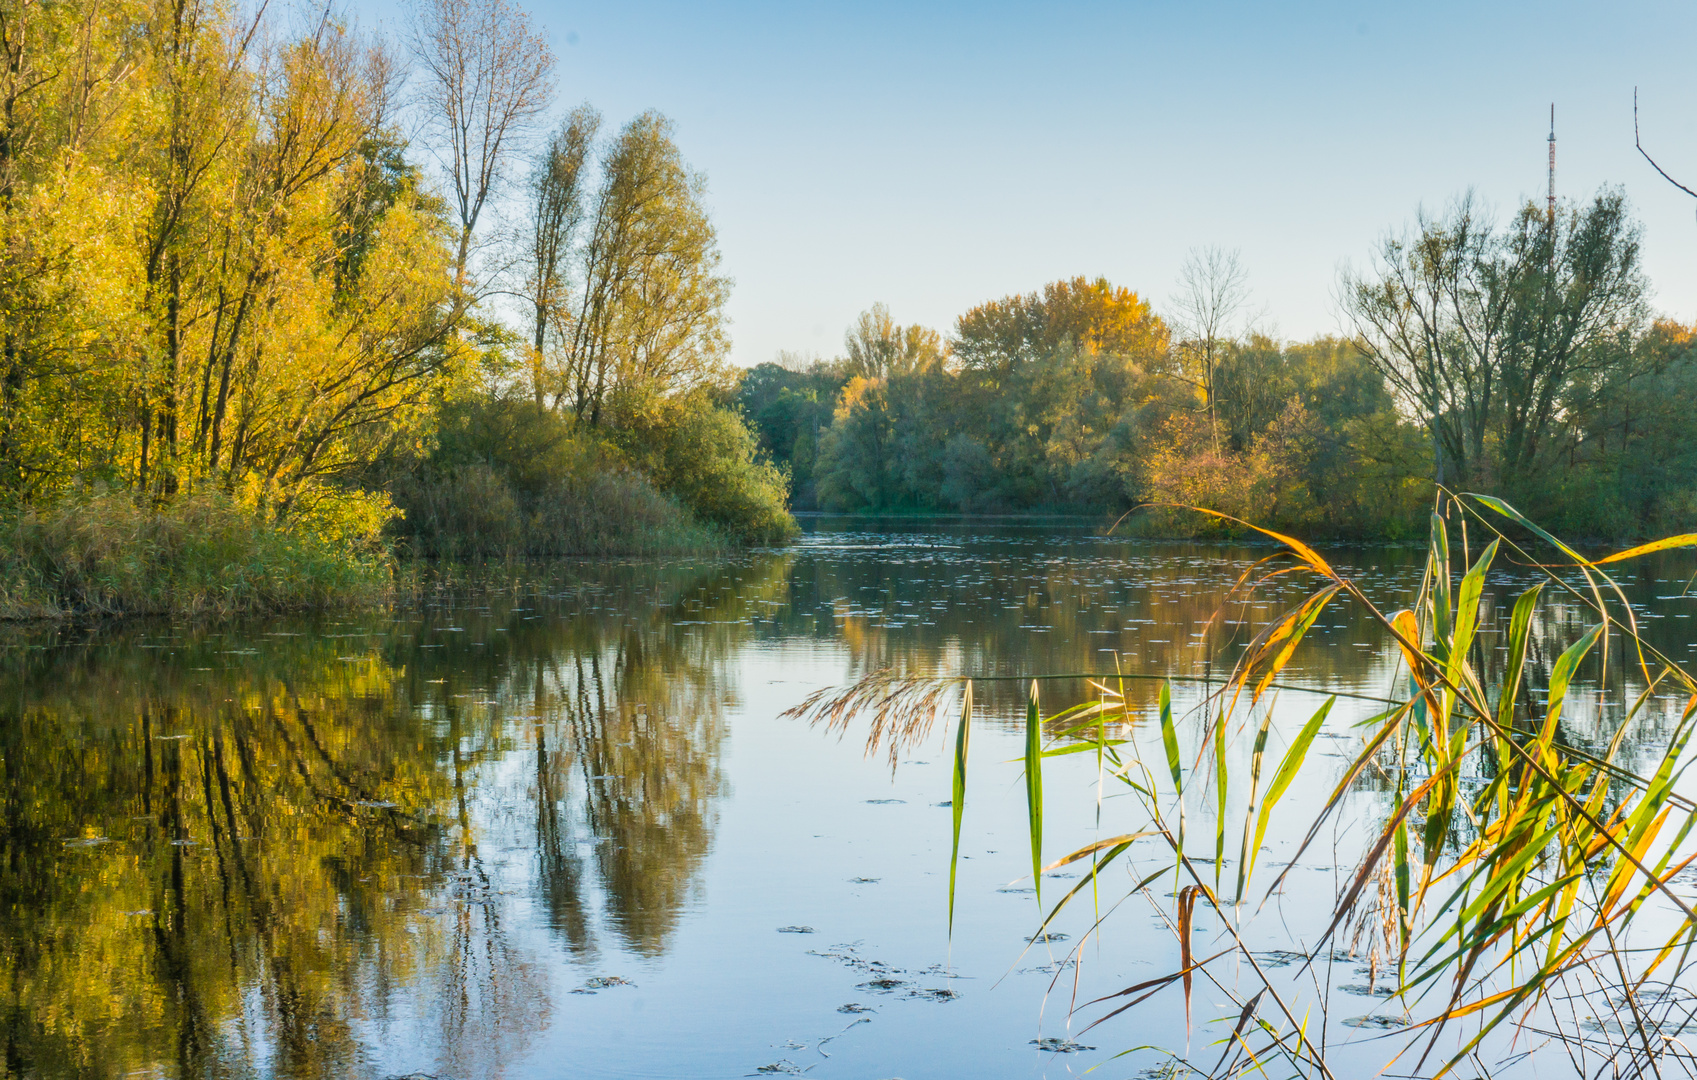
[
  {"x": 882, "y": 986},
  {"x": 1277, "y": 958},
  {"x": 1059, "y": 1046},
  {"x": 1377, "y": 1021},
  {"x": 855, "y": 1007},
  {"x": 932, "y": 994},
  {"x": 795, "y": 930}
]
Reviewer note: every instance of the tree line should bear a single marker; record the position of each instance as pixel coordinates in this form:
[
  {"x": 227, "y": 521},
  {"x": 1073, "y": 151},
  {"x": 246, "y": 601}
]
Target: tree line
[
  {"x": 1519, "y": 359},
  {"x": 274, "y": 260}
]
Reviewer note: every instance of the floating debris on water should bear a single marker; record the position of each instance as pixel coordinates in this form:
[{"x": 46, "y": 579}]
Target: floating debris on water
[
  {"x": 881, "y": 986},
  {"x": 946, "y": 803},
  {"x": 1015, "y": 889},
  {"x": 864, "y": 880},
  {"x": 783, "y": 1065},
  {"x": 1040, "y": 938},
  {"x": 601, "y": 982},
  {"x": 855, "y": 1007},
  {"x": 796, "y": 930},
  {"x": 884, "y": 802},
  {"x": 1279, "y": 957},
  {"x": 932, "y": 994},
  {"x": 1363, "y": 990},
  {"x": 1377, "y": 1021},
  {"x": 1057, "y": 1045}
]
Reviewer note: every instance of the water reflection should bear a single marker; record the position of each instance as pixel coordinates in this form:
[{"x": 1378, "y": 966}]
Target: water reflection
[
  {"x": 272, "y": 851},
  {"x": 380, "y": 844}
]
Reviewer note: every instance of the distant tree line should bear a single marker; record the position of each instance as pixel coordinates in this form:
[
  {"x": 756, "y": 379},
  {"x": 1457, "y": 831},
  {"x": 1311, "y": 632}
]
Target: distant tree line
[{"x": 1515, "y": 359}]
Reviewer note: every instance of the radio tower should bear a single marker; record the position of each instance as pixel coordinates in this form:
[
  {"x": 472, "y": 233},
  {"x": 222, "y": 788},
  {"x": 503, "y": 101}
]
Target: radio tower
[{"x": 1552, "y": 163}]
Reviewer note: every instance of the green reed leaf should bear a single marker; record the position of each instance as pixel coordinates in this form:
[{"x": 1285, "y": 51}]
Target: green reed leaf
[
  {"x": 1561, "y": 677},
  {"x": 1467, "y": 611},
  {"x": 1438, "y": 563},
  {"x": 958, "y": 804},
  {"x": 1219, "y": 798},
  {"x": 1247, "y": 854},
  {"x": 1034, "y": 787},
  {"x": 1285, "y": 776},
  {"x": 1169, "y": 739}
]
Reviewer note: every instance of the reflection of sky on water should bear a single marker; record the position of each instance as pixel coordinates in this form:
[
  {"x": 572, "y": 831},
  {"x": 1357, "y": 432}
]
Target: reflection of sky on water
[{"x": 373, "y": 845}]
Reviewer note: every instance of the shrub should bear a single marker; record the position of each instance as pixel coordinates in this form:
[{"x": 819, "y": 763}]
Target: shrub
[
  {"x": 705, "y": 456},
  {"x": 508, "y": 477}
]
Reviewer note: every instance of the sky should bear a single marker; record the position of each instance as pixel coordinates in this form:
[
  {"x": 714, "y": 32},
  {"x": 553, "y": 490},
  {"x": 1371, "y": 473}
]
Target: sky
[{"x": 933, "y": 156}]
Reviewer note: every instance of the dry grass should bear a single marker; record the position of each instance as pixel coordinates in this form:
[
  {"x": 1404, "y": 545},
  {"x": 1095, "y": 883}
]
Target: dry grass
[{"x": 201, "y": 555}]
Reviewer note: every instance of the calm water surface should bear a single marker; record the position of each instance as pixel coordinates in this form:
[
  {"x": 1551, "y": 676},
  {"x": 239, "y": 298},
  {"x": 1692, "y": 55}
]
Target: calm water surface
[{"x": 552, "y": 825}]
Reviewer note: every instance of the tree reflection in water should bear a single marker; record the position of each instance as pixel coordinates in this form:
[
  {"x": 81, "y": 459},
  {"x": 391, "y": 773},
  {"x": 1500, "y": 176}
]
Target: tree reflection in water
[
  {"x": 265, "y": 851},
  {"x": 318, "y": 848}
]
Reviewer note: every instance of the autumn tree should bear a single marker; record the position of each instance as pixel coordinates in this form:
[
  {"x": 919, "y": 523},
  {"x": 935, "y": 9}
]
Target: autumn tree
[
  {"x": 645, "y": 314},
  {"x": 876, "y": 347},
  {"x": 486, "y": 77},
  {"x": 222, "y": 274},
  {"x": 1491, "y": 334},
  {"x": 555, "y": 211},
  {"x": 1213, "y": 291}
]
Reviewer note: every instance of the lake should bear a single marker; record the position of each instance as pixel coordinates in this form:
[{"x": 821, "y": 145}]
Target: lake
[{"x": 549, "y": 822}]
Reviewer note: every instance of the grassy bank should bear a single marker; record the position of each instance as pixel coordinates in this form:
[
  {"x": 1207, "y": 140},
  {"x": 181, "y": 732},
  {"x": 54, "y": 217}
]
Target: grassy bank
[
  {"x": 477, "y": 511},
  {"x": 200, "y": 555}
]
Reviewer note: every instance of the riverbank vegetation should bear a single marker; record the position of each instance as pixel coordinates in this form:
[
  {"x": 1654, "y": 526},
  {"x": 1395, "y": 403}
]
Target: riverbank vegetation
[
  {"x": 229, "y": 279},
  {"x": 1505, "y": 867},
  {"x": 1518, "y": 359}
]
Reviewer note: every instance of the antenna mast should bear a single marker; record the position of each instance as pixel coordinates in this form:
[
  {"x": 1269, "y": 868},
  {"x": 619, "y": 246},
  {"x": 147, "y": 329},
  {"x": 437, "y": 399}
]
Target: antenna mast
[{"x": 1552, "y": 163}]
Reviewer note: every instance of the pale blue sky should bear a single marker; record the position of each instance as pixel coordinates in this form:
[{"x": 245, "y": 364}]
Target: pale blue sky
[{"x": 934, "y": 155}]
